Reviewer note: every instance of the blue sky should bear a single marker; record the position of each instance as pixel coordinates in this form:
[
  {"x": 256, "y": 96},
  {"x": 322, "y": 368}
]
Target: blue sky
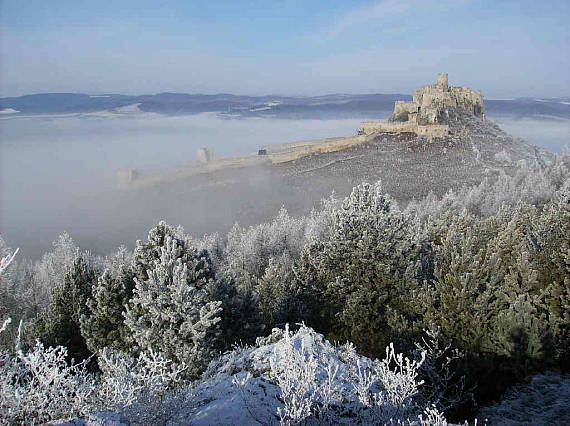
[{"x": 506, "y": 48}]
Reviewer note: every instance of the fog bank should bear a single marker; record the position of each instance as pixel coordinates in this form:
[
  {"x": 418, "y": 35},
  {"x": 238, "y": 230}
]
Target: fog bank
[{"x": 59, "y": 173}]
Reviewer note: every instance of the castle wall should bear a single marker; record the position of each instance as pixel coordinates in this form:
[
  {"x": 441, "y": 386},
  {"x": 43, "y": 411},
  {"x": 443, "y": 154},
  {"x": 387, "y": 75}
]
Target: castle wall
[
  {"x": 468, "y": 99},
  {"x": 434, "y": 96},
  {"x": 295, "y": 150},
  {"x": 433, "y": 131},
  {"x": 368, "y": 127},
  {"x": 404, "y": 108}
]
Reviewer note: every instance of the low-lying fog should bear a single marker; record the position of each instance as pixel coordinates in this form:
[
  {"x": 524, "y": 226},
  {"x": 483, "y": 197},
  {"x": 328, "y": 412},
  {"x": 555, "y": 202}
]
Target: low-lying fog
[
  {"x": 551, "y": 134},
  {"x": 59, "y": 173}
]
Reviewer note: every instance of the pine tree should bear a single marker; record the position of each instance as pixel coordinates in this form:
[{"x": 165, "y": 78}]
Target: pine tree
[
  {"x": 278, "y": 294},
  {"x": 103, "y": 325},
  {"x": 554, "y": 257},
  {"x": 364, "y": 268},
  {"x": 171, "y": 311},
  {"x": 59, "y": 325}
]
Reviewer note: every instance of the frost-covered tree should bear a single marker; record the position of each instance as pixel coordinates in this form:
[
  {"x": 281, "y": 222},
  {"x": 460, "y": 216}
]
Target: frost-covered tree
[
  {"x": 145, "y": 389},
  {"x": 487, "y": 294},
  {"x": 6, "y": 257},
  {"x": 148, "y": 252},
  {"x": 533, "y": 184},
  {"x": 171, "y": 311},
  {"x": 553, "y": 241},
  {"x": 59, "y": 324},
  {"x": 363, "y": 269},
  {"x": 39, "y": 385},
  {"x": 280, "y": 295},
  {"x": 103, "y": 324},
  {"x": 8, "y": 291},
  {"x": 53, "y": 266},
  {"x": 248, "y": 250}
]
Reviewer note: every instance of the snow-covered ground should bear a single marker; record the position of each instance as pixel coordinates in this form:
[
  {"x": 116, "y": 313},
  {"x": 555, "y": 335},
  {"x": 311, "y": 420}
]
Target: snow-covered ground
[
  {"x": 545, "y": 400},
  {"x": 290, "y": 378},
  {"x": 301, "y": 378}
]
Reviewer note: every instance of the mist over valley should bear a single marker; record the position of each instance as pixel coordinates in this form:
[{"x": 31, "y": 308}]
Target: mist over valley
[{"x": 59, "y": 172}]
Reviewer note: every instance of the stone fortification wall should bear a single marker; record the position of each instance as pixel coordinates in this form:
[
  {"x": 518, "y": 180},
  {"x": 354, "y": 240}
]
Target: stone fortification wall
[
  {"x": 274, "y": 154},
  {"x": 195, "y": 170},
  {"x": 454, "y": 97},
  {"x": 430, "y": 96},
  {"x": 368, "y": 127},
  {"x": 403, "y": 108},
  {"x": 468, "y": 99},
  {"x": 282, "y": 153},
  {"x": 433, "y": 131}
]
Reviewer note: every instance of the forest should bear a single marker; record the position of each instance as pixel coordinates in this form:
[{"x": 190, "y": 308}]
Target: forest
[{"x": 362, "y": 312}]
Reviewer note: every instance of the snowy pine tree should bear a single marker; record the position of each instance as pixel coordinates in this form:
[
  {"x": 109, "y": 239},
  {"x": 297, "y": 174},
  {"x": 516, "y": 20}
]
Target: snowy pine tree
[
  {"x": 103, "y": 325},
  {"x": 365, "y": 266},
  {"x": 171, "y": 312},
  {"x": 59, "y": 324}
]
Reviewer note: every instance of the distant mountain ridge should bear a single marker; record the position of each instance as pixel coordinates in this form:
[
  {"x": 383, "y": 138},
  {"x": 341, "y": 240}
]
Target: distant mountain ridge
[{"x": 236, "y": 106}]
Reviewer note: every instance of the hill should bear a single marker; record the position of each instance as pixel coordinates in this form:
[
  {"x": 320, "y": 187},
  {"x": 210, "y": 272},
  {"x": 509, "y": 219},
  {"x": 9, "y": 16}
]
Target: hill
[{"x": 236, "y": 106}]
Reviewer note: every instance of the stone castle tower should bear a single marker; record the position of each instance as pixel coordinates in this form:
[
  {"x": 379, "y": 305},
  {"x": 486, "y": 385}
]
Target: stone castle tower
[
  {"x": 421, "y": 115},
  {"x": 442, "y": 80}
]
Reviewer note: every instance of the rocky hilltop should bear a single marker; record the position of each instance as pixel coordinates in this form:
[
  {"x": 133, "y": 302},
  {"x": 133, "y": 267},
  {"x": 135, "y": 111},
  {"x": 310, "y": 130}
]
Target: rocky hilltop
[
  {"x": 440, "y": 140},
  {"x": 411, "y": 165}
]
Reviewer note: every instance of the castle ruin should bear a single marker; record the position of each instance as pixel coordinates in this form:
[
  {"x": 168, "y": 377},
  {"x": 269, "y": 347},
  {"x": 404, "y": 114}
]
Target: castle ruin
[{"x": 422, "y": 115}]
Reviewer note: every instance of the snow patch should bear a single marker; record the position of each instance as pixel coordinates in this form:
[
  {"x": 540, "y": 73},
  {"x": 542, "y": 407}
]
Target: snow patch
[
  {"x": 8, "y": 111},
  {"x": 300, "y": 374},
  {"x": 128, "y": 109},
  {"x": 544, "y": 401},
  {"x": 100, "y": 418}
]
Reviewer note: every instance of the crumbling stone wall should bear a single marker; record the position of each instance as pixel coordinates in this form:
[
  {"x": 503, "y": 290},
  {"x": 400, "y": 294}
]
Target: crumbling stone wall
[
  {"x": 368, "y": 127},
  {"x": 203, "y": 155},
  {"x": 402, "y": 109},
  {"x": 469, "y": 99},
  {"x": 433, "y": 131}
]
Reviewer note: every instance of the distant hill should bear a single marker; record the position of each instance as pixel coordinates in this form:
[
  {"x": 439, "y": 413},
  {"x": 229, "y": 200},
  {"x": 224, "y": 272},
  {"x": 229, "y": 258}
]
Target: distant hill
[{"x": 332, "y": 106}]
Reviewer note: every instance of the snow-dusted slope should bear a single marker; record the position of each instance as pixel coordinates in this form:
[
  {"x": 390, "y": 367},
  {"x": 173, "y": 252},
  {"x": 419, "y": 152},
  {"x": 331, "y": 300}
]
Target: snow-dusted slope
[
  {"x": 292, "y": 378},
  {"x": 543, "y": 401}
]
